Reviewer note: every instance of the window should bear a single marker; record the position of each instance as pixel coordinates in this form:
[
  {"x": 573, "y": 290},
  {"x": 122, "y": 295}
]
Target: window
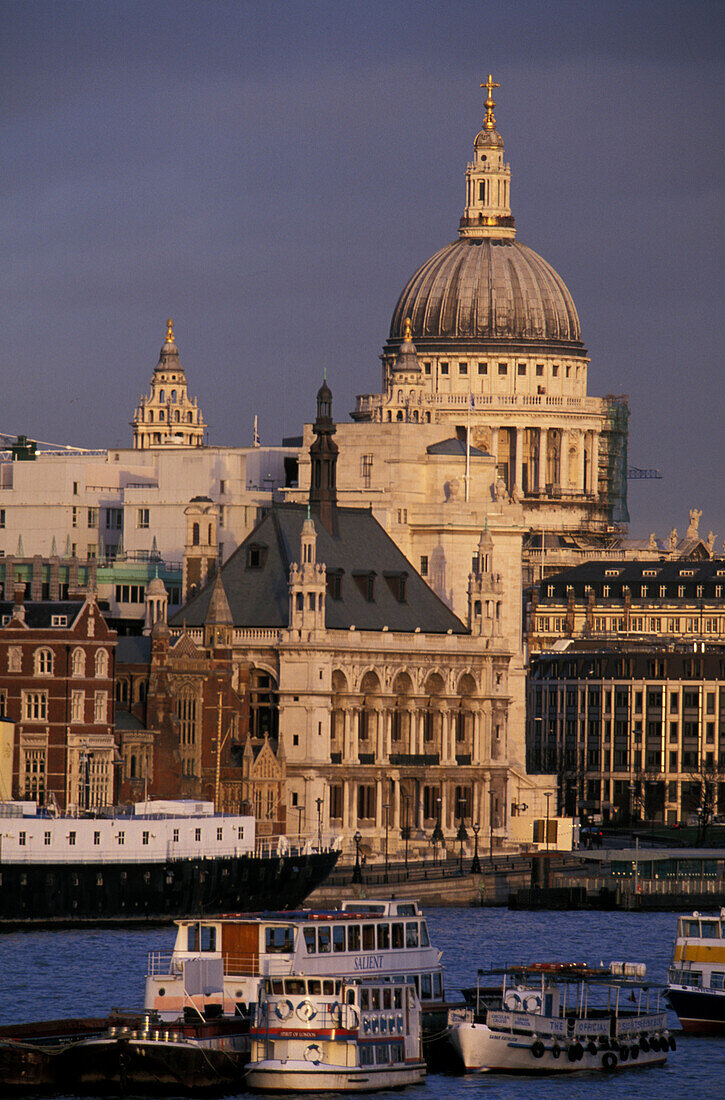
[
  {"x": 35, "y": 705},
  {"x": 142, "y": 517},
  {"x": 74, "y": 516},
  {"x": 463, "y": 368},
  {"x": 255, "y": 556},
  {"x": 100, "y": 706},
  {"x": 78, "y": 662},
  {"x": 2, "y": 517},
  {"x": 483, "y": 368},
  {"x": 101, "y": 664},
  {"x": 555, "y": 371},
  {"x": 93, "y": 517},
  {"x": 43, "y": 662},
  {"x": 77, "y": 700},
  {"x": 539, "y": 370},
  {"x": 502, "y": 370},
  {"x": 444, "y": 368},
  {"x": 522, "y": 370},
  {"x": 366, "y": 584},
  {"x": 424, "y": 565},
  {"x": 366, "y": 470},
  {"x": 59, "y": 620},
  {"x": 114, "y": 519},
  {"x": 426, "y": 368}
]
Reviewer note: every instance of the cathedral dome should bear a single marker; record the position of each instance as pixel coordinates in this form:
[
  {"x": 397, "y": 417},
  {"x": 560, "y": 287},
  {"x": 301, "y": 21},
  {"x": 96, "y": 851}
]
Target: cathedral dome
[{"x": 486, "y": 288}]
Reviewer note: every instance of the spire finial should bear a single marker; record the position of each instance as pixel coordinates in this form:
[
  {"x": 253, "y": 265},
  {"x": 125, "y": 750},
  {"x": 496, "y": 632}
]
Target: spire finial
[
  {"x": 169, "y": 331},
  {"x": 408, "y": 332},
  {"x": 489, "y": 122}
]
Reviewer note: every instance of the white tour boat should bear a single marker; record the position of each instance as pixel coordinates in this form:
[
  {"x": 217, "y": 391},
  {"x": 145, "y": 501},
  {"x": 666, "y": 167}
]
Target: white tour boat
[
  {"x": 560, "y": 1018},
  {"x": 221, "y": 963},
  {"x": 335, "y": 1035},
  {"x": 696, "y": 988}
]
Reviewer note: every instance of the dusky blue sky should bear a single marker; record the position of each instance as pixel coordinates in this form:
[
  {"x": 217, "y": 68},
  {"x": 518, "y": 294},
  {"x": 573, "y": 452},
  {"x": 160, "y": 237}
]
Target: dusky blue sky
[{"x": 269, "y": 174}]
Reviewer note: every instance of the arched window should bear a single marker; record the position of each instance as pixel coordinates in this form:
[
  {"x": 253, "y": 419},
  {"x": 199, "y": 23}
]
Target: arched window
[
  {"x": 78, "y": 662},
  {"x": 162, "y": 395},
  {"x": 151, "y": 416},
  {"x": 161, "y": 414},
  {"x": 211, "y": 535},
  {"x": 264, "y": 714},
  {"x": 173, "y": 395},
  {"x": 190, "y": 418},
  {"x": 122, "y": 691},
  {"x": 43, "y": 662},
  {"x": 195, "y": 535},
  {"x": 132, "y": 766},
  {"x": 102, "y": 664},
  {"x": 177, "y": 416}
]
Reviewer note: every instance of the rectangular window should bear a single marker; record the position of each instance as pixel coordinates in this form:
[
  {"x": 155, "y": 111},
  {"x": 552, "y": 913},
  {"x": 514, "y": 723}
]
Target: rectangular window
[
  {"x": 503, "y": 369},
  {"x": 47, "y": 837},
  {"x": 142, "y": 517},
  {"x": 76, "y": 706},
  {"x": 539, "y": 370},
  {"x": 74, "y": 516},
  {"x": 368, "y": 937},
  {"x": 555, "y": 371},
  {"x": 2, "y": 517},
  {"x": 93, "y": 517},
  {"x": 426, "y": 368},
  {"x": 100, "y": 706},
  {"x": 463, "y": 368},
  {"x": 366, "y": 470},
  {"x": 522, "y": 370},
  {"x": 424, "y": 565},
  {"x": 483, "y": 368},
  {"x": 222, "y": 488},
  {"x": 144, "y": 837},
  {"x": 35, "y": 705},
  {"x": 444, "y": 368}
]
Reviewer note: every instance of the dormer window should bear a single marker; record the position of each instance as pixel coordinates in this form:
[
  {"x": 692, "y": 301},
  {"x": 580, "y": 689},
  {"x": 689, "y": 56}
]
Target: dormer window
[
  {"x": 396, "y": 583},
  {"x": 366, "y": 584},
  {"x": 256, "y": 554},
  {"x": 334, "y": 584}
]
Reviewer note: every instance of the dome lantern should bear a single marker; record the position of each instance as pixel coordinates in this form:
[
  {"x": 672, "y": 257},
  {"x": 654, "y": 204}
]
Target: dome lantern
[{"x": 487, "y": 212}]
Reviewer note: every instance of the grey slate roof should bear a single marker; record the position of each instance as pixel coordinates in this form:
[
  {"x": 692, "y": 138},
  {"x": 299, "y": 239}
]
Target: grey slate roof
[
  {"x": 39, "y": 613},
  {"x": 259, "y": 596},
  {"x": 684, "y": 573},
  {"x": 133, "y": 649},
  {"x": 453, "y": 446}
]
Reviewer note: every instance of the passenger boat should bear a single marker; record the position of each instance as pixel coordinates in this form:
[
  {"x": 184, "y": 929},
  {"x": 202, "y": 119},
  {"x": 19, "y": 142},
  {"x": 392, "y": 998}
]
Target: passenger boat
[
  {"x": 335, "y": 1035},
  {"x": 164, "y": 860},
  {"x": 560, "y": 1018},
  {"x": 696, "y": 978},
  {"x": 224, "y": 961}
]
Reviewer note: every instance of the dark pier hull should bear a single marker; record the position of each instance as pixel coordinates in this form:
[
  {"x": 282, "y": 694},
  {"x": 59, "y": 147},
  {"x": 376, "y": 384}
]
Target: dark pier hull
[
  {"x": 45, "y": 895},
  {"x": 699, "y": 1012}
]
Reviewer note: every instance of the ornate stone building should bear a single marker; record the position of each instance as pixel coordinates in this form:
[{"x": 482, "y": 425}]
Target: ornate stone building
[
  {"x": 391, "y": 713},
  {"x": 168, "y": 416}
]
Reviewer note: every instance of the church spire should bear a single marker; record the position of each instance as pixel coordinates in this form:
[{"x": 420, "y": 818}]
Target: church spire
[
  {"x": 323, "y": 462},
  {"x": 487, "y": 212}
]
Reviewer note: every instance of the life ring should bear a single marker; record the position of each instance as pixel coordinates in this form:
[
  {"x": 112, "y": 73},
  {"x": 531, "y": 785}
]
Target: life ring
[
  {"x": 609, "y": 1060},
  {"x": 556, "y": 1051},
  {"x": 352, "y": 1017},
  {"x": 283, "y": 1009},
  {"x": 537, "y": 1049},
  {"x": 335, "y": 1013},
  {"x": 313, "y": 1054},
  {"x": 306, "y": 1011},
  {"x": 532, "y": 1003},
  {"x": 624, "y": 1052}
]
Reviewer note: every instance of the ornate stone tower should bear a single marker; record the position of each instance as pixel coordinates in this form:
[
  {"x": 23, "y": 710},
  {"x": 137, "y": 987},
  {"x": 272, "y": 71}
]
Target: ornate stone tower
[
  {"x": 323, "y": 459},
  {"x": 168, "y": 416},
  {"x": 307, "y": 584},
  {"x": 201, "y": 552},
  {"x": 485, "y": 593}
]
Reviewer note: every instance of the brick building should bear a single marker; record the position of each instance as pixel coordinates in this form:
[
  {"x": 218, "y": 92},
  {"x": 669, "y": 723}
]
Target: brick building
[{"x": 56, "y": 698}]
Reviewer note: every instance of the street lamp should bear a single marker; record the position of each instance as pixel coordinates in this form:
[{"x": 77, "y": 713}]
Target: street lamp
[
  {"x": 319, "y": 802},
  {"x": 475, "y": 865},
  {"x": 357, "y": 873},
  {"x": 405, "y": 831},
  {"x": 300, "y": 810},
  {"x": 386, "y": 807},
  {"x": 461, "y": 835},
  {"x": 437, "y": 837}
]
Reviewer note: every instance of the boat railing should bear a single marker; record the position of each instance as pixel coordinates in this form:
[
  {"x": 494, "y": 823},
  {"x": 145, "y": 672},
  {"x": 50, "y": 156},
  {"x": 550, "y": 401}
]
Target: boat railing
[
  {"x": 578, "y": 1027},
  {"x": 252, "y": 965}
]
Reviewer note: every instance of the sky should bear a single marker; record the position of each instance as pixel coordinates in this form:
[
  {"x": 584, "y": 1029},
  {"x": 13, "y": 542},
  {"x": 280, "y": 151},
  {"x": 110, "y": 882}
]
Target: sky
[{"x": 269, "y": 174}]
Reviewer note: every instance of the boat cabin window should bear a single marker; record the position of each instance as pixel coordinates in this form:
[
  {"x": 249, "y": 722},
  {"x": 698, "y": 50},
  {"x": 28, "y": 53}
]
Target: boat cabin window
[
  {"x": 323, "y": 940},
  {"x": 278, "y": 941},
  {"x": 437, "y": 985},
  {"x": 330, "y": 988},
  {"x": 375, "y": 998},
  {"x": 314, "y": 987},
  {"x": 424, "y": 940},
  {"x": 350, "y": 997},
  {"x": 353, "y": 937},
  {"x": 717, "y": 979},
  {"x": 411, "y": 934},
  {"x": 275, "y": 985},
  {"x": 405, "y": 909},
  {"x": 387, "y": 998},
  {"x": 426, "y": 987},
  {"x": 690, "y": 928},
  {"x": 710, "y": 929},
  {"x": 368, "y": 937},
  {"x": 311, "y": 940},
  {"x": 201, "y": 937},
  {"x": 397, "y": 935},
  {"x": 364, "y": 998},
  {"x": 338, "y": 937},
  {"x": 295, "y": 986},
  {"x": 398, "y": 997},
  {"x": 413, "y": 980},
  {"x": 383, "y": 937}
]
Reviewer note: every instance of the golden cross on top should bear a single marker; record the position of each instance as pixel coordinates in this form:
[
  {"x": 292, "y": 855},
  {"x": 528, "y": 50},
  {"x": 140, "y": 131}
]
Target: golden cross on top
[
  {"x": 169, "y": 331},
  {"x": 490, "y": 122}
]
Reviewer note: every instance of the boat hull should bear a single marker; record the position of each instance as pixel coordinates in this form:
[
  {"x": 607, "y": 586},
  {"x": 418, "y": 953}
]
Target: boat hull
[
  {"x": 482, "y": 1050},
  {"x": 58, "y": 894},
  {"x": 300, "y": 1076},
  {"x": 700, "y": 1012}
]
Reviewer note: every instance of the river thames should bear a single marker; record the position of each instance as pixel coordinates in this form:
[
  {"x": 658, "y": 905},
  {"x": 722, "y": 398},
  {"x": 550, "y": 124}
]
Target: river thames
[{"x": 77, "y": 973}]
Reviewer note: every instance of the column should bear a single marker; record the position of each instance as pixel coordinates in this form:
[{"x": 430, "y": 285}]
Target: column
[
  {"x": 444, "y": 805},
  {"x": 345, "y": 805},
  {"x": 594, "y": 465},
  {"x": 346, "y": 734},
  {"x": 519, "y": 465},
  {"x": 564, "y": 461},
  {"x": 380, "y": 754},
  {"x": 354, "y": 739},
  {"x": 388, "y": 719},
  {"x": 543, "y": 458},
  {"x": 581, "y": 465},
  {"x": 494, "y": 442},
  {"x": 378, "y": 805},
  {"x": 422, "y": 747},
  {"x": 475, "y": 735},
  {"x": 396, "y": 806}
]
